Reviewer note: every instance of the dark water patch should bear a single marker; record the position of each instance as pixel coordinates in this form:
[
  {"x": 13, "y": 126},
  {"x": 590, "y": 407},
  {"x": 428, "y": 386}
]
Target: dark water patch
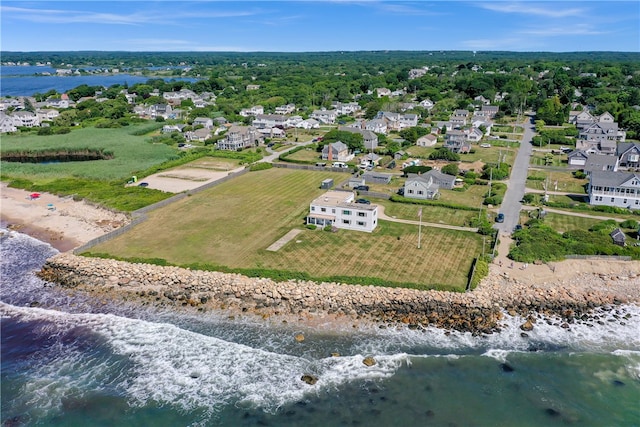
[{"x": 506, "y": 367}]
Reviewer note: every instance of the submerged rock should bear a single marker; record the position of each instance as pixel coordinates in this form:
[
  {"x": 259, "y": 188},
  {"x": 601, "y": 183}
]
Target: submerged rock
[
  {"x": 299, "y": 337},
  {"x": 527, "y": 326}
]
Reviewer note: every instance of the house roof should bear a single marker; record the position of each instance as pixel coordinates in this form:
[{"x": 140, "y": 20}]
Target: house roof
[
  {"x": 436, "y": 174},
  {"x": 617, "y": 235},
  {"x": 611, "y": 179},
  {"x": 600, "y": 162},
  {"x": 577, "y": 153},
  {"x": 624, "y": 147}
]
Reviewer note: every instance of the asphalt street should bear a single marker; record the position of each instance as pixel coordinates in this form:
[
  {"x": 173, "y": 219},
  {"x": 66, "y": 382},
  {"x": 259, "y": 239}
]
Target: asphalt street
[{"x": 511, "y": 205}]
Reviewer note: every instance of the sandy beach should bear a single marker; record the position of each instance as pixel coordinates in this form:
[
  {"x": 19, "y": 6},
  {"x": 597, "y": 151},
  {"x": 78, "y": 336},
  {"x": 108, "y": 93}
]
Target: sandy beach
[{"x": 60, "y": 221}]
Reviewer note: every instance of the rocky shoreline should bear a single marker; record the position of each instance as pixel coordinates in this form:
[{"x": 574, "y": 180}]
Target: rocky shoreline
[{"x": 478, "y": 312}]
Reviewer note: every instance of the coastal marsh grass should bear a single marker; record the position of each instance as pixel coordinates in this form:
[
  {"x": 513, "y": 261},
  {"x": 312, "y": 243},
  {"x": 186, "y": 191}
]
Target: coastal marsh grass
[
  {"x": 232, "y": 224},
  {"x": 131, "y": 154}
]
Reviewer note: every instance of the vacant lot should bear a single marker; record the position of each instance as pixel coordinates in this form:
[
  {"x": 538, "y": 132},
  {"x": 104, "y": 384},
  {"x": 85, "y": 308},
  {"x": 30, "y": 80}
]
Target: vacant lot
[
  {"x": 232, "y": 225},
  {"x": 131, "y": 154},
  {"x": 557, "y": 181},
  {"x": 435, "y": 214}
]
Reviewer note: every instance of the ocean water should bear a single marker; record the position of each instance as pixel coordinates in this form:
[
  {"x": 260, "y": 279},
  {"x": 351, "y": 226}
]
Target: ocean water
[{"x": 70, "y": 360}]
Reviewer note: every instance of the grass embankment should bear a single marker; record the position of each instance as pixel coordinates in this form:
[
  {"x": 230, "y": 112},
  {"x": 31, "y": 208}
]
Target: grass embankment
[{"x": 228, "y": 228}]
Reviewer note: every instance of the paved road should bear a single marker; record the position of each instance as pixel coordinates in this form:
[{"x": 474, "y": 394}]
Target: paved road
[
  {"x": 273, "y": 155},
  {"x": 511, "y": 205}
]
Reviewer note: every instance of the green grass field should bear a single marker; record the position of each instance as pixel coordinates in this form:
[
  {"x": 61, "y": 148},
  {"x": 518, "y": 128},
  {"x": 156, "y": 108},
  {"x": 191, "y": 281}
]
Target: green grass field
[
  {"x": 131, "y": 154},
  {"x": 562, "y": 223},
  {"x": 435, "y": 214},
  {"x": 558, "y": 181},
  {"x": 308, "y": 154},
  {"x": 232, "y": 224}
]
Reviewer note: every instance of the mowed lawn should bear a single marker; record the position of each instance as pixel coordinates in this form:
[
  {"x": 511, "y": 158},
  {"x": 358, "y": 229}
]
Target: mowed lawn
[{"x": 232, "y": 224}]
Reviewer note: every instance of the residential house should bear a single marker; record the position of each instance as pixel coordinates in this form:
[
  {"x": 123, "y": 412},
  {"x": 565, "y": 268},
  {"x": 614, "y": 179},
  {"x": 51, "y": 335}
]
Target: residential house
[
  {"x": 421, "y": 187},
  {"x": 25, "y": 119},
  {"x": 459, "y": 118},
  {"x": 370, "y": 160},
  {"x": 47, "y": 115},
  {"x": 159, "y": 110},
  {"x": 199, "y": 135},
  {"x": 619, "y": 189},
  {"x": 324, "y": 116},
  {"x": 427, "y": 104},
  {"x": 206, "y": 122},
  {"x": 7, "y": 123},
  {"x": 377, "y": 126},
  {"x": 337, "y": 209},
  {"x": 474, "y": 134},
  {"x": 488, "y": 111},
  {"x": 448, "y": 126},
  {"x": 337, "y": 151},
  {"x": 415, "y": 73},
  {"x": 602, "y": 136},
  {"x": 482, "y": 100},
  {"x": 383, "y": 91},
  {"x": 272, "y": 132},
  {"x": 600, "y": 162},
  {"x": 173, "y": 128},
  {"x": 355, "y": 181},
  {"x": 345, "y": 109},
  {"x": 239, "y": 137},
  {"x": 444, "y": 180},
  {"x": 369, "y": 138},
  {"x": 377, "y": 177},
  {"x": 308, "y": 124},
  {"x": 285, "y": 109},
  {"x": 253, "y": 111},
  {"x": 396, "y": 121},
  {"x": 253, "y": 87},
  {"x": 428, "y": 140},
  {"x": 577, "y": 159},
  {"x": 219, "y": 121},
  {"x": 628, "y": 154},
  {"x": 62, "y": 102},
  {"x": 456, "y": 141},
  {"x": 267, "y": 121}
]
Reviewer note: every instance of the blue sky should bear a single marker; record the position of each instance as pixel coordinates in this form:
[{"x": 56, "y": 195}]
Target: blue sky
[{"x": 329, "y": 25}]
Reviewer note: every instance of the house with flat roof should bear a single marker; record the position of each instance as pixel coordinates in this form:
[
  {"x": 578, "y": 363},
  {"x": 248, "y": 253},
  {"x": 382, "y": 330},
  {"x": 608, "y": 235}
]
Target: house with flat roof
[{"x": 337, "y": 209}]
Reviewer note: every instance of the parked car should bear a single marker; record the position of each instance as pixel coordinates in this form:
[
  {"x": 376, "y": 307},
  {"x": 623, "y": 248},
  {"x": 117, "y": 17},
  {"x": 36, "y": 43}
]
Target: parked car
[
  {"x": 363, "y": 201},
  {"x": 500, "y": 217},
  {"x": 362, "y": 188},
  {"x": 485, "y": 145},
  {"x": 143, "y": 184},
  {"x": 517, "y": 227}
]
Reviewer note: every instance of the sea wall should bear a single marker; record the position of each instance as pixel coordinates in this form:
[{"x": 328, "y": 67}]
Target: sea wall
[{"x": 479, "y": 311}]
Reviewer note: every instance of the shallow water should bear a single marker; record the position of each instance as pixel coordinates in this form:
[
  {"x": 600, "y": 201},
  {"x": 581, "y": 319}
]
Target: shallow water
[{"x": 68, "y": 361}]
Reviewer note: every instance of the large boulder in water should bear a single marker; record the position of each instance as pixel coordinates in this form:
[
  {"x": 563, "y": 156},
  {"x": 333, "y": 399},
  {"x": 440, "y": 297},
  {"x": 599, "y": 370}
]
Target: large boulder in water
[
  {"x": 527, "y": 326},
  {"x": 309, "y": 379},
  {"x": 369, "y": 361}
]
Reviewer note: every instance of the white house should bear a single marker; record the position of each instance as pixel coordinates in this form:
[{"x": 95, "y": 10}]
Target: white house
[
  {"x": 308, "y": 124},
  {"x": 25, "y": 118},
  {"x": 286, "y": 109},
  {"x": 265, "y": 121},
  {"x": 428, "y": 140},
  {"x": 253, "y": 111},
  {"x": 619, "y": 189},
  {"x": 7, "y": 123},
  {"x": 206, "y": 122},
  {"x": 337, "y": 209},
  {"x": 324, "y": 116}
]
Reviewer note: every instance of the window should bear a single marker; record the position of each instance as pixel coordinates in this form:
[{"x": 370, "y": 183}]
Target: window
[
  {"x": 362, "y": 214},
  {"x": 613, "y": 199},
  {"x": 410, "y": 191},
  {"x": 313, "y": 208},
  {"x": 361, "y": 223},
  {"x": 346, "y": 221},
  {"x": 323, "y": 209},
  {"x": 346, "y": 212},
  {"x": 420, "y": 192}
]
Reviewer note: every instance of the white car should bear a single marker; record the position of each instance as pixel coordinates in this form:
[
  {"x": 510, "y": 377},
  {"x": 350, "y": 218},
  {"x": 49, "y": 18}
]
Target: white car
[{"x": 485, "y": 145}]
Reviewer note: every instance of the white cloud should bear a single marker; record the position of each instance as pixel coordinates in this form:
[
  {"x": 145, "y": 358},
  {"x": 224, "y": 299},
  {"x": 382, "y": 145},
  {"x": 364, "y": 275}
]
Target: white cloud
[
  {"x": 552, "y": 11},
  {"x": 572, "y": 30}
]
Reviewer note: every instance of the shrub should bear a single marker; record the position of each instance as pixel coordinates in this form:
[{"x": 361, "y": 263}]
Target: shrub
[
  {"x": 311, "y": 226},
  {"x": 481, "y": 271},
  {"x": 630, "y": 224},
  {"x": 579, "y": 174},
  {"x": 444, "y": 154},
  {"x": 260, "y": 166}
]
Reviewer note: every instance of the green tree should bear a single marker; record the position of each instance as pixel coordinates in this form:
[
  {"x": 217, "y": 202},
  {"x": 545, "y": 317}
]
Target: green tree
[{"x": 551, "y": 111}]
